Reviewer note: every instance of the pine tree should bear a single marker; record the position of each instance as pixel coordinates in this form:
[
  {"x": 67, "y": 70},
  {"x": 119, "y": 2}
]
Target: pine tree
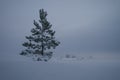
[{"x": 41, "y": 40}]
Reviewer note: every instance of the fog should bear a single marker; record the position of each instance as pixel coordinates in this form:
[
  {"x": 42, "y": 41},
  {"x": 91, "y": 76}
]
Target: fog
[
  {"x": 85, "y": 28},
  {"x": 80, "y": 25}
]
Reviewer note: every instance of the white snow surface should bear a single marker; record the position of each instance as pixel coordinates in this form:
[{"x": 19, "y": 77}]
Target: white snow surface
[{"x": 60, "y": 68}]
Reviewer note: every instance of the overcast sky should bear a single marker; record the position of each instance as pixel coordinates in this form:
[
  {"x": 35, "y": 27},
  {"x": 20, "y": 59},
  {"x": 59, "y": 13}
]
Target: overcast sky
[{"x": 80, "y": 25}]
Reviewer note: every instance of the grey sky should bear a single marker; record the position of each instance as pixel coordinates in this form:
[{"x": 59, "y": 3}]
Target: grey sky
[{"x": 81, "y": 25}]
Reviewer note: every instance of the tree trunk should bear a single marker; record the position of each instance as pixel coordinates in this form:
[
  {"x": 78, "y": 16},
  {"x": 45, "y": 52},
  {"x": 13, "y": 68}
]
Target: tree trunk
[{"x": 42, "y": 51}]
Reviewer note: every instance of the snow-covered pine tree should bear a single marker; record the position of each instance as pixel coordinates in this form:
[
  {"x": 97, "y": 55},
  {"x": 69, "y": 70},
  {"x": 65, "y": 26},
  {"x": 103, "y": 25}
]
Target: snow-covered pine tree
[{"x": 41, "y": 40}]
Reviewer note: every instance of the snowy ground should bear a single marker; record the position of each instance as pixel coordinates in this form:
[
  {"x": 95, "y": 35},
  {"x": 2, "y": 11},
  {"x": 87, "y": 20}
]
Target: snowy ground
[{"x": 61, "y": 68}]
